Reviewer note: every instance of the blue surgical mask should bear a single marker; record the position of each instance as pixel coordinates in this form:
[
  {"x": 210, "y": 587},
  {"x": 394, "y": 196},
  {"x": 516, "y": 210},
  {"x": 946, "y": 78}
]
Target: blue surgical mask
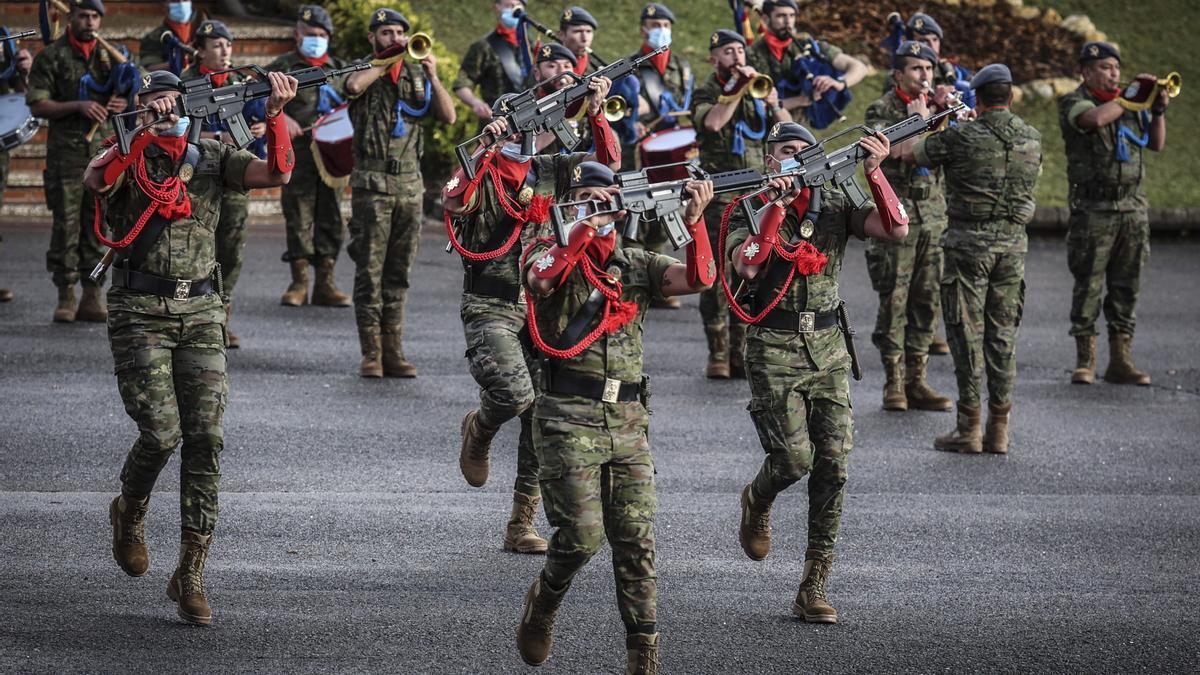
[
  {"x": 179, "y": 11},
  {"x": 314, "y": 46},
  {"x": 603, "y": 230},
  {"x": 180, "y": 128},
  {"x": 508, "y": 19},
  {"x": 658, "y": 37}
]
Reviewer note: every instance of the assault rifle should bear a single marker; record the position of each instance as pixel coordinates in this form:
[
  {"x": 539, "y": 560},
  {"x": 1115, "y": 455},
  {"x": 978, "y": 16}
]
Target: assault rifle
[
  {"x": 18, "y": 36},
  {"x": 529, "y": 115}
]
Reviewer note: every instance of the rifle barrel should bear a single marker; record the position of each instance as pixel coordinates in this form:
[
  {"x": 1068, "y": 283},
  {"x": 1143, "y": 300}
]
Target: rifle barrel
[{"x": 19, "y": 36}]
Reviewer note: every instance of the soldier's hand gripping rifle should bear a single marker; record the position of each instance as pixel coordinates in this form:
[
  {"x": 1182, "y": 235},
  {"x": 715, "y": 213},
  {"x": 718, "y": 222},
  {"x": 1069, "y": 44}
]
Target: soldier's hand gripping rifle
[{"x": 529, "y": 115}]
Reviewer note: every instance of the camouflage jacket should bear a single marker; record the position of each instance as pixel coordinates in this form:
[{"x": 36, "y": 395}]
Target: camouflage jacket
[
  {"x": 924, "y": 196},
  {"x": 303, "y": 108},
  {"x": 373, "y": 113},
  {"x": 674, "y": 79},
  {"x": 150, "y": 49},
  {"x": 716, "y": 147},
  {"x": 186, "y": 248},
  {"x": 992, "y": 166},
  {"x": 759, "y": 56},
  {"x": 55, "y": 75},
  {"x": 1091, "y": 157},
  {"x": 481, "y": 68}
]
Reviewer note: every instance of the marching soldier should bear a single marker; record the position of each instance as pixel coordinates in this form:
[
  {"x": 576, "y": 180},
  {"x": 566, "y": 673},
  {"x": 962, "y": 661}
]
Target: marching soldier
[
  {"x": 311, "y": 208},
  {"x": 730, "y": 128},
  {"x": 576, "y": 31},
  {"x": 493, "y": 63},
  {"x": 14, "y": 78},
  {"x": 796, "y": 351},
  {"x": 167, "y": 328},
  {"x": 552, "y": 61},
  {"x": 991, "y": 168},
  {"x": 907, "y": 273},
  {"x": 587, "y": 302},
  {"x": 165, "y": 46},
  {"x": 53, "y": 94},
  {"x": 1108, "y": 240},
  {"x": 389, "y": 104}
]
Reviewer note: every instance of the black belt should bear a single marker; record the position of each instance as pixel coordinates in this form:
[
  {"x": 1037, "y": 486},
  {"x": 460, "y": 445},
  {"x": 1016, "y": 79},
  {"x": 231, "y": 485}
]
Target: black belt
[
  {"x": 178, "y": 289},
  {"x": 607, "y": 390},
  {"x": 389, "y": 166},
  {"x": 799, "y": 322},
  {"x": 475, "y": 283},
  {"x": 1108, "y": 193},
  {"x": 919, "y": 193}
]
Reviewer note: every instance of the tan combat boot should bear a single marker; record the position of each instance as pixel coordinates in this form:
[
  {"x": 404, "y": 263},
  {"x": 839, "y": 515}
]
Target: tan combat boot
[
  {"x": 128, "y": 518},
  {"x": 894, "y": 397},
  {"x": 1121, "y": 369},
  {"x": 92, "y": 307},
  {"x": 718, "y": 353},
  {"x": 938, "y": 346},
  {"x": 297, "y": 291},
  {"x": 232, "y": 341},
  {"x": 186, "y": 587},
  {"x": 65, "y": 311},
  {"x": 811, "y": 603},
  {"x": 668, "y": 302},
  {"x": 535, "y": 633},
  {"x": 369, "y": 342},
  {"x": 473, "y": 458},
  {"x": 6, "y": 295},
  {"x": 1085, "y": 360},
  {"x": 995, "y": 436},
  {"x": 325, "y": 292},
  {"x": 520, "y": 535},
  {"x": 919, "y": 394},
  {"x": 394, "y": 363},
  {"x": 737, "y": 350},
  {"x": 641, "y": 654},
  {"x": 966, "y": 437},
  {"x": 755, "y": 530}
]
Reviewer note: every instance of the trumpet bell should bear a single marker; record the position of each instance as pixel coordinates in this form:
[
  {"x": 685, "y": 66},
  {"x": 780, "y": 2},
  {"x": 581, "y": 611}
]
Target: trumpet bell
[
  {"x": 420, "y": 46},
  {"x": 615, "y": 108},
  {"x": 760, "y": 87},
  {"x": 1173, "y": 83}
]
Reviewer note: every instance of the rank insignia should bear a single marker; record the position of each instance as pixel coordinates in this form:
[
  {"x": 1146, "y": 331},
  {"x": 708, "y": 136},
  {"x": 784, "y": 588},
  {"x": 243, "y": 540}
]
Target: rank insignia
[
  {"x": 186, "y": 172},
  {"x": 525, "y": 196},
  {"x": 751, "y": 250},
  {"x": 567, "y": 14},
  {"x": 806, "y": 229},
  {"x": 544, "y": 262},
  {"x": 453, "y": 183}
]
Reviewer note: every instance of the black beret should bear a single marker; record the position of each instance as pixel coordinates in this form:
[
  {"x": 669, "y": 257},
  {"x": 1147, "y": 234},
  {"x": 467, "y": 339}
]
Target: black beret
[
  {"x": 923, "y": 24},
  {"x": 212, "y": 29},
  {"x": 388, "y": 17},
  {"x": 723, "y": 37},
  {"x": 657, "y": 11},
  {"x": 790, "y": 131},
  {"x": 992, "y": 74},
  {"x": 159, "y": 80},
  {"x": 770, "y": 5},
  {"x": 592, "y": 174},
  {"x": 1099, "y": 50},
  {"x": 577, "y": 16},
  {"x": 913, "y": 50},
  {"x": 316, "y": 16},
  {"x": 555, "y": 51},
  {"x": 94, "y": 5}
]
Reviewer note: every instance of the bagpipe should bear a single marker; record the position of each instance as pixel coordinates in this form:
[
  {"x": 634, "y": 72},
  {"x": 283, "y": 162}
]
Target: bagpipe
[
  {"x": 824, "y": 109},
  {"x": 176, "y": 52},
  {"x": 522, "y": 34}
]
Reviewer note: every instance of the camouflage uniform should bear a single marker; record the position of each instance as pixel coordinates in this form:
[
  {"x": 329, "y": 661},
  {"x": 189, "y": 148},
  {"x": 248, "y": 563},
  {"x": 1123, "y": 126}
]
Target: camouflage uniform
[
  {"x": 759, "y": 56},
  {"x": 800, "y": 392},
  {"x": 55, "y": 75},
  {"x": 482, "y": 68},
  {"x": 1108, "y": 238},
  {"x": 992, "y": 166},
  {"x": 596, "y": 471},
  {"x": 151, "y": 50},
  {"x": 169, "y": 354},
  {"x": 907, "y": 273},
  {"x": 310, "y": 207}
]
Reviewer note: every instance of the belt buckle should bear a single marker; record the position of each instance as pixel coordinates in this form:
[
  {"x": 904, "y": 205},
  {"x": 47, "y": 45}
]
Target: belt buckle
[
  {"x": 806, "y": 322},
  {"x": 393, "y": 167},
  {"x": 612, "y": 390},
  {"x": 183, "y": 289}
]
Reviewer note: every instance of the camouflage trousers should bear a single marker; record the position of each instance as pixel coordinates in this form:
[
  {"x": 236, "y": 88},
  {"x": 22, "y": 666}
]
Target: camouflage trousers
[
  {"x": 983, "y": 296},
  {"x": 310, "y": 211},
  {"x": 907, "y": 275},
  {"x": 804, "y": 422},
  {"x": 384, "y": 232},
  {"x": 598, "y": 483},
  {"x": 1106, "y": 249},
  {"x": 171, "y": 375},
  {"x": 231, "y": 238},
  {"x": 74, "y": 249},
  {"x": 506, "y": 371}
]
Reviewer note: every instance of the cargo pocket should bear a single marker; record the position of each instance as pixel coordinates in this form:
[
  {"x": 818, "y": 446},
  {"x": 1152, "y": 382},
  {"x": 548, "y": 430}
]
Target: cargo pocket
[
  {"x": 881, "y": 268},
  {"x": 547, "y": 444},
  {"x": 1020, "y": 304},
  {"x": 1081, "y": 250},
  {"x": 952, "y": 311},
  {"x": 768, "y": 422}
]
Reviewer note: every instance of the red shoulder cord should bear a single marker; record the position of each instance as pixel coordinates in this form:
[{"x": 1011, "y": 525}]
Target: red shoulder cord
[
  {"x": 616, "y": 312},
  {"x": 804, "y": 257},
  {"x": 537, "y": 211},
  {"x": 165, "y": 198}
]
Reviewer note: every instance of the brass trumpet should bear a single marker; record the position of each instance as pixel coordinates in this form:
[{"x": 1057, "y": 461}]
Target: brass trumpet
[
  {"x": 760, "y": 86},
  {"x": 1173, "y": 83},
  {"x": 615, "y": 108},
  {"x": 420, "y": 46},
  {"x": 1143, "y": 91}
]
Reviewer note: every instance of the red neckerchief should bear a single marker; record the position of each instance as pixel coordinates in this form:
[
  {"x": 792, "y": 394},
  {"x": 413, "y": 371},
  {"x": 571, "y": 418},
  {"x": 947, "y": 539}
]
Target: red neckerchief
[
  {"x": 394, "y": 73},
  {"x": 512, "y": 172},
  {"x": 600, "y": 248},
  {"x": 84, "y": 48},
  {"x": 319, "y": 61},
  {"x": 183, "y": 31},
  {"x": 800, "y": 203},
  {"x": 217, "y": 80},
  {"x": 904, "y": 97},
  {"x": 509, "y": 34},
  {"x": 174, "y": 146},
  {"x": 581, "y": 64},
  {"x": 659, "y": 61},
  {"x": 1104, "y": 95},
  {"x": 776, "y": 44}
]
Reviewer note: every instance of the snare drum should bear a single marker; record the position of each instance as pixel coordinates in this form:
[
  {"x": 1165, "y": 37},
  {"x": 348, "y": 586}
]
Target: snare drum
[
  {"x": 669, "y": 147},
  {"x": 17, "y": 124},
  {"x": 333, "y": 146}
]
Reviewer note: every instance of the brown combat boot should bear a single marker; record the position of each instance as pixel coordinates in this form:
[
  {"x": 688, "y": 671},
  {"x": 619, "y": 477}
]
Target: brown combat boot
[
  {"x": 919, "y": 394},
  {"x": 755, "y": 530},
  {"x": 668, "y": 302},
  {"x": 938, "y": 346},
  {"x": 65, "y": 311},
  {"x": 394, "y": 363},
  {"x": 995, "y": 437},
  {"x": 966, "y": 437},
  {"x": 370, "y": 343},
  {"x": 325, "y": 292},
  {"x": 894, "y": 397},
  {"x": 186, "y": 587},
  {"x": 1121, "y": 369},
  {"x": 718, "y": 353},
  {"x": 737, "y": 350},
  {"x": 6, "y": 295},
  {"x": 92, "y": 307},
  {"x": 1085, "y": 360},
  {"x": 232, "y": 341},
  {"x": 535, "y": 633},
  {"x": 641, "y": 654},
  {"x": 811, "y": 603},
  {"x": 128, "y": 518},
  {"x": 297, "y": 291},
  {"x": 473, "y": 458},
  {"x": 520, "y": 535}
]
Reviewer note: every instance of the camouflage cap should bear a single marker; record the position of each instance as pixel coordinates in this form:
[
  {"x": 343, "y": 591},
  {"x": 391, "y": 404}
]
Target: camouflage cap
[
  {"x": 996, "y": 73},
  {"x": 1096, "y": 49}
]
